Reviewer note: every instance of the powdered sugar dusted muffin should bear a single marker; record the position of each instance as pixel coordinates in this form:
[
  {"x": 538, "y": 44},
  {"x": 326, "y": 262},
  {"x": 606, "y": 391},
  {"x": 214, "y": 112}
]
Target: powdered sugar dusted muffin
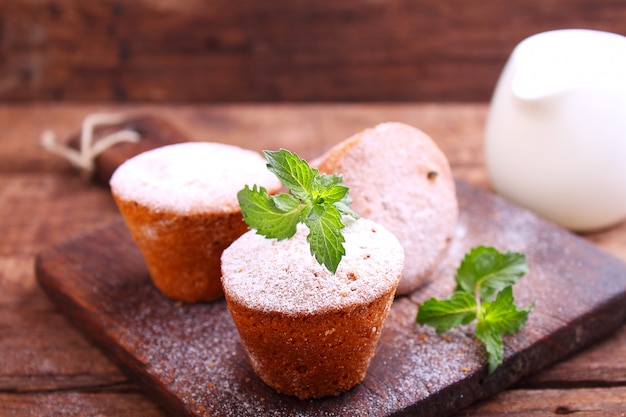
[
  {"x": 180, "y": 205},
  {"x": 399, "y": 178},
  {"x": 308, "y": 332}
]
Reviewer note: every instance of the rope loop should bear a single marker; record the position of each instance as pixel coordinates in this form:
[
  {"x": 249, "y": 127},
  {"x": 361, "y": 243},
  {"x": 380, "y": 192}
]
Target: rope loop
[{"x": 84, "y": 158}]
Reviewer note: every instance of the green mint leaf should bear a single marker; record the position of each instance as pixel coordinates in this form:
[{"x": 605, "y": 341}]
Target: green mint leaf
[
  {"x": 317, "y": 200},
  {"x": 343, "y": 207},
  {"x": 284, "y": 202},
  {"x": 325, "y": 238},
  {"x": 484, "y": 271},
  {"x": 323, "y": 181},
  {"x": 330, "y": 195},
  {"x": 273, "y": 217},
  {"x": 331, "y": 182},
  {"x": 327, "y": 180},
  {"x": 493, "y": 344},
  {"x": 443, "y": 315},
  {"x": 502, "y": 315},
  {"x": 294, "y": 172},
  {"x": 499, "y": 317}
]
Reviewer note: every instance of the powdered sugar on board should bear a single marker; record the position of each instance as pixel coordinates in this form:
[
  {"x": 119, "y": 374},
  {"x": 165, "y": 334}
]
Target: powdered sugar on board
[
  {"x": 283, "y": 276},
  {"x": 189, "y": 357},
  {"x": 191, "y": 177}
]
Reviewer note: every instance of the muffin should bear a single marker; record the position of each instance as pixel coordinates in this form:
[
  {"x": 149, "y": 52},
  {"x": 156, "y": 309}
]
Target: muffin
[
  {"x": 180, "y": 204},
  {"x": 399, "y": 178},
  {"x": 310, "y": 333}
]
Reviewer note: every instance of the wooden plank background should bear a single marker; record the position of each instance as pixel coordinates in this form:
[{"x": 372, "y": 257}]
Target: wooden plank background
[{"x": 273, "y": 50}]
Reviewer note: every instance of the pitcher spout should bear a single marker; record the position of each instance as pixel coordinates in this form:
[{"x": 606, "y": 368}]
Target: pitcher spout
[{"x": 552, "y": 63}]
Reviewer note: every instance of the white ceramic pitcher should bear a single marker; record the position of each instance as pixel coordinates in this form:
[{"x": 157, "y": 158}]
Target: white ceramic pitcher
[{"x": 556, "y": 130}]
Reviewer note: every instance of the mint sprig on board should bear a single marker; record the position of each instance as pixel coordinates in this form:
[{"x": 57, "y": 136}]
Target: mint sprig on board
[
  {"x": 317, "y": 200},
  {"x": 484, "y": 293}
]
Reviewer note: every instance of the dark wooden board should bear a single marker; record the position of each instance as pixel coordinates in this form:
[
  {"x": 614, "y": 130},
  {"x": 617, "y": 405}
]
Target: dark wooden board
[{"x": 190, "y": 359}]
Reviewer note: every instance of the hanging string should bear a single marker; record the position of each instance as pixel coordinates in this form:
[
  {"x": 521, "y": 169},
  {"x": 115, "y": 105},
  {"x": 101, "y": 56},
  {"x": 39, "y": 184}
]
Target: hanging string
[{"x": 84, "y": 157}]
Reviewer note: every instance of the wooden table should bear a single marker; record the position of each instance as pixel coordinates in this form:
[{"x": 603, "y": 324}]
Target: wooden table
[{"x": 48, "y": 368}]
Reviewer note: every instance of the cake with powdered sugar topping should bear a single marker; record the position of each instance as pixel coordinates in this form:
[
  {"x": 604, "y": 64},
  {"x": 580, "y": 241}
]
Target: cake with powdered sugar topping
[
  {"x": 308, "y": 332},
  {"x": 180, "y": 205},
  {"x": 400, "y": 178}
]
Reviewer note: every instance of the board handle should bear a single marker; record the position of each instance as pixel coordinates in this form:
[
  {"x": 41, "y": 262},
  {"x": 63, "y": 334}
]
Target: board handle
[{"x": 154, "y": 132}]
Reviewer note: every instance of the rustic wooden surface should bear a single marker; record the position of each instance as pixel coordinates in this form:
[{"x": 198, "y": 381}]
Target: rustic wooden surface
[
  {"x": 189, "y": 357},
  {"x": 48, "y": 368},
  {"x": 223, "y": 50}
]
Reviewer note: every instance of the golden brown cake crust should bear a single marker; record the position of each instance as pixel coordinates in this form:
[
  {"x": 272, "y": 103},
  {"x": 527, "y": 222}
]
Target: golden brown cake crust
[
  {"x": 184, "y": 262},
  {"x": 313, "y": 366}
]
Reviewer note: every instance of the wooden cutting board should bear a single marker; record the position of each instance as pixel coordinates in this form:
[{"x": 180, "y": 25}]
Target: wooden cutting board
[{"x": 190, "y": 359}]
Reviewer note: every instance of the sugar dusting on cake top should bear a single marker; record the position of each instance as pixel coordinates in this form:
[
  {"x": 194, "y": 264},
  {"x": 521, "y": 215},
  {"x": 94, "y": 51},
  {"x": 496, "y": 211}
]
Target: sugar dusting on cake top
[
  {"x": 191, "y": 177},
  {"x": 283, "y": 276},
  {"x": 399, "y": 177}
]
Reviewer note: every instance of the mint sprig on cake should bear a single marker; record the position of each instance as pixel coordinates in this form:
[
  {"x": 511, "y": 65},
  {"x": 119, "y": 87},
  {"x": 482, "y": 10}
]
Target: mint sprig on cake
[{"x": 317, "y": 200}]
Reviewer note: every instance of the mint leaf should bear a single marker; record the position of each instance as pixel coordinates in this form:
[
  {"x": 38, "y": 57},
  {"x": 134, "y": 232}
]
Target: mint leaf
[
  {"x": 325, "y": 237},
  {"x": 285, "y": 202},
  {"x": 325, "y": 181},
  {"x": 330, "y": 195},
  {"x": 486, "y": 270},
  {"x": 483, "y": 273},
  {"x": 493, "y": 344},
  {"x": 344, "y": 208},
  {"x": 317, "y": 200},
  {"x": 459, "y": 308},
  {"x": 497, "y": 318},
  {"x": 274, "y": 217},
  {"x": 502, "y": 315},
  {"x": 292, "y": 171}
]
